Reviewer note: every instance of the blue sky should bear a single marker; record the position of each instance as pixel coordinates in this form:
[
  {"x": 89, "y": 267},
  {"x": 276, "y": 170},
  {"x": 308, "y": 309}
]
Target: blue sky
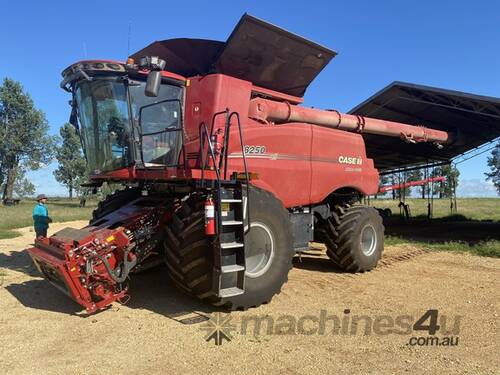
[{"x": 449, "y": 44}]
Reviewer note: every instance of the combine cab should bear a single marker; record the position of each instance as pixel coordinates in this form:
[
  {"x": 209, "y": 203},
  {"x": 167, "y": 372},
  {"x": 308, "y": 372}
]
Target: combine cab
[{"x": 225, "y": 176}]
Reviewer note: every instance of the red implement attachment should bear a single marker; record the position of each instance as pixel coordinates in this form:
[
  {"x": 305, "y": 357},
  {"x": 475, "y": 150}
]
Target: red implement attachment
[{"x": 82, "y": 264}]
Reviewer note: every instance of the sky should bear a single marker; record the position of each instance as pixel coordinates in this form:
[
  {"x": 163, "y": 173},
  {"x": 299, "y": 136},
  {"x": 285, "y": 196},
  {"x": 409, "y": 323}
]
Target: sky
[{"x": 448, "y": 44}]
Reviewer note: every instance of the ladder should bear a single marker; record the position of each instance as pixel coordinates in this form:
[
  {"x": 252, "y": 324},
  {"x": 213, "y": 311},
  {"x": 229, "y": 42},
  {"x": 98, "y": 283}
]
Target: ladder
[
  {"x": 229, "y": 249},
  {"x": 232, "y": 212}
]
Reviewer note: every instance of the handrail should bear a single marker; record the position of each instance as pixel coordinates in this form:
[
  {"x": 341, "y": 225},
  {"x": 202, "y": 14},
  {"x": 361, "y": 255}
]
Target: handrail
[
  {"x": 247, "y": 177},
  {"x": 203, "y": 133}
]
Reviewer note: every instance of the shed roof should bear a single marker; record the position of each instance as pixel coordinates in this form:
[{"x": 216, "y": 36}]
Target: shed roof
[{"x": 474, "y": 118}]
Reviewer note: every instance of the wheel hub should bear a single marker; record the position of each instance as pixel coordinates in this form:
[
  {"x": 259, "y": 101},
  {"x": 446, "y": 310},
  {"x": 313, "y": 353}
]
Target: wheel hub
[
  {"x": 259, "y": 250},
  {"x": 368, "y": 240}
]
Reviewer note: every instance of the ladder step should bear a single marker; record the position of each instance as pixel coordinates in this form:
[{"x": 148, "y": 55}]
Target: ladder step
[
  {"x": 231, "y": 245},
  {"x": 229, "y": 292},
  {"x": 224, "y": 200},
  {"x": 232, "y": 222},
  {"x": 232, "y": 268}
]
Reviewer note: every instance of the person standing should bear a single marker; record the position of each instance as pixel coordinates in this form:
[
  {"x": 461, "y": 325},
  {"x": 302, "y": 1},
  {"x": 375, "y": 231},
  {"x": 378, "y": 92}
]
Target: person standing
[{"x": 41, "y": 216}]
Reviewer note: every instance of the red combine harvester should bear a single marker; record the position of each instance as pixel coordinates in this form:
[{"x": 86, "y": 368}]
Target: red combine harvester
[{"x": 225, "y": 175}]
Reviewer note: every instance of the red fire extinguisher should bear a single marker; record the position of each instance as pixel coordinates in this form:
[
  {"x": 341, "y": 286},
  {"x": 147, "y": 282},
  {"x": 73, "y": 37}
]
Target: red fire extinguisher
[{"x": 209, "y": 216}]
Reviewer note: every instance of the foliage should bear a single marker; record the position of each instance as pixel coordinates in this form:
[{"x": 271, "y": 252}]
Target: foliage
[
  {"x": 445, "y": 189},
  {"x": 23, "y": 187},
  {"x": 383, "y": 180},
  {"x": 401, "y": 178},
  {"x": 71, "y": 169},
  {"x": 494, "y": 164},
  {"x": 24, "y": 143}
]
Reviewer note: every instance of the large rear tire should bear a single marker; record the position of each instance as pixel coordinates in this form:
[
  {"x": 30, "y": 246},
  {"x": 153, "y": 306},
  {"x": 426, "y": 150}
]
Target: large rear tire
[
  {"x": 353, "y": 236},
  {"x": 189, "y": 254}
]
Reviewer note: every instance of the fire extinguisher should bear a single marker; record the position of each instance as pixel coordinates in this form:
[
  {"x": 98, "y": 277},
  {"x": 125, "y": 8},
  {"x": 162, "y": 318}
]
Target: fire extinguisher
[{"x": 209, "y": 216}]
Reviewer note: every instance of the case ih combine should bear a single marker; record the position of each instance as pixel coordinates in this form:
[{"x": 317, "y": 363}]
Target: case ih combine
[{"x": 226, "y": 176}]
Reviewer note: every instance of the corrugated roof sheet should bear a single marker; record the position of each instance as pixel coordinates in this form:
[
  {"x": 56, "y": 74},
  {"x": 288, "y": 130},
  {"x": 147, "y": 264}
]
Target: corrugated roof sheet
[{"x": 475, "y": 118}]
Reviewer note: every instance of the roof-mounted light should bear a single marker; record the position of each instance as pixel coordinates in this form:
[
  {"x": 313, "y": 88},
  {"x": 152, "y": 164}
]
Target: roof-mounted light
[{"x": 152, "y": 63}]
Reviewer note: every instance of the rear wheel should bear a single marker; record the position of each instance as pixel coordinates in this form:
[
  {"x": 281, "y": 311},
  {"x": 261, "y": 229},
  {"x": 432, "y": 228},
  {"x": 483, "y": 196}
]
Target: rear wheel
[
  {"x": 268, "y": 252},
  {"x": 353, "y": 236}
]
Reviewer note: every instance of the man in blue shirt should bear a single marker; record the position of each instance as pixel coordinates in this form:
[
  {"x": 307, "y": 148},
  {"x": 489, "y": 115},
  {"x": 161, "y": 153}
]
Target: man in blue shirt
[{"x": 41, "y": 216}]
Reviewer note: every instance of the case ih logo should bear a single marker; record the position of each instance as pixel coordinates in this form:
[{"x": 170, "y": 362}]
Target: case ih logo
[{"x": 350, "y": 160}]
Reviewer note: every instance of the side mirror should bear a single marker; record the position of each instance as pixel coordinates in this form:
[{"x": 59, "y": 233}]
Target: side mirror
[{"x": 153, "y": 83}]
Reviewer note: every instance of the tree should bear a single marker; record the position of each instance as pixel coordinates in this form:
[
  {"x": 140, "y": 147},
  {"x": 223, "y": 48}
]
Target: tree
[
  {"x": 383, "y": 180},
  {"x": 402, "y": 178},
  {"x": 417, "y": 176},
  {"x": 22, "y": 187},
  {"x": 71, "y": 170},
  {"x": 494, "y": 164},
  {"x": 24, "y": 143},
  {"x": 445, "y": 189}
]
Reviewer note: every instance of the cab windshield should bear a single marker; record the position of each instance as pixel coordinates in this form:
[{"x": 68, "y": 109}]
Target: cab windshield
[{"x": 106, "y": 124}]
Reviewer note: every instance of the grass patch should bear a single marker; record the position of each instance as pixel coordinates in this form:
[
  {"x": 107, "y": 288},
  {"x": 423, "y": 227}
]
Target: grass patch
[
  {"x": 446, "y": 231},
  {"x": 5, "y": 233},
  {"x": 394, "y": 240},
  {"x": 484, "y": 248},
  {"x": 467, "y": 208},
  {"x": 489, "y": 248},
  {"x": 19, "y": 216}
]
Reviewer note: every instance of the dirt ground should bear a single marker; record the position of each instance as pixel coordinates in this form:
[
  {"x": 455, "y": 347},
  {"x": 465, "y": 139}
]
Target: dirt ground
[{"x": 160, "y": 329}]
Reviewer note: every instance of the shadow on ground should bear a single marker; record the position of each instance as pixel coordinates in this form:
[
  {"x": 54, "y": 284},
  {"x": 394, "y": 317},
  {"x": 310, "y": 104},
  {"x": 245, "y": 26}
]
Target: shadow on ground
[
  {"x": 154, "y": 291},
  {"x": 18, "y": 261},
  {"x": 150, "y": 290},
  {"x": 314, "y": 260},
  {"x": 455, "y": 228},
  {"x": 40, "y": 295}
]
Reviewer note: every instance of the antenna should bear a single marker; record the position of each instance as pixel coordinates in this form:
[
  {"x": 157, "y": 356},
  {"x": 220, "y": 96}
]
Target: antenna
[{"x": 129, "y": 36}]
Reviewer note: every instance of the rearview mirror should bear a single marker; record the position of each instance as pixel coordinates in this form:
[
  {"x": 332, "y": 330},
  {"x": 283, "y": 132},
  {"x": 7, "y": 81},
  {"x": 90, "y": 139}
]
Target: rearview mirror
[{"x": 153, "y": 83}]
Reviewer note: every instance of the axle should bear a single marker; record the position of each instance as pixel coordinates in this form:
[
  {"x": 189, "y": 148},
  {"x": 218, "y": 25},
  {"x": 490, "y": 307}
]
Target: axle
[{"x": 265, "y": 110}]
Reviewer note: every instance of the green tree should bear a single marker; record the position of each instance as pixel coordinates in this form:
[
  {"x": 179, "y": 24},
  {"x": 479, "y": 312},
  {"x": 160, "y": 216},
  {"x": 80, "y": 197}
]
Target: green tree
[
  {"x": 402, "y": 178},
  {"x": 22, "y": 186},
  {"x": 494, "y": 164},
  {"x": 71, "y": 168},
  {"x": 445, "y": 189},
  {"x": 393, "y": 181},
  {"x": 24, "y": 143}
]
